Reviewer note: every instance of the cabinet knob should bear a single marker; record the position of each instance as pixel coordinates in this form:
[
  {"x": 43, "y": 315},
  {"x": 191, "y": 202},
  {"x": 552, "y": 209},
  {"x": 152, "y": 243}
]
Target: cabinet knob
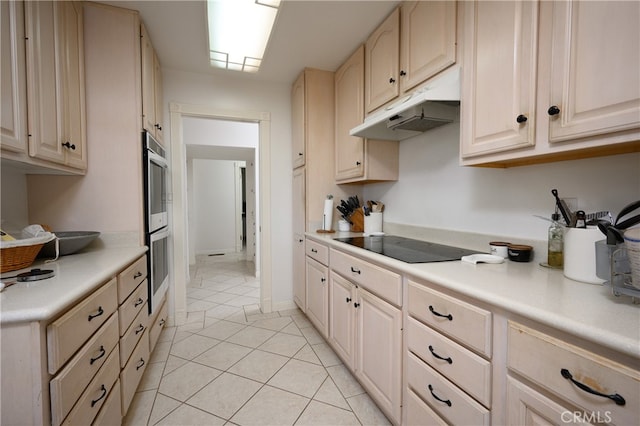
[
  {"x": 348, "y": 299},
  {"x": 299, "y": 154},
  {"x": 553, "y": 110},
  {"x": 521, "y": 119},
  {"x": 323, "y": 279},
  {"x": 402, "y": 73},
  {"x": 358, "y": 163},
  {"x": 355, "y": 305},
  {"x": 392, "y": 80},
  {"x": 157, "y": 126},
  {"x": 69, "y": 145}
]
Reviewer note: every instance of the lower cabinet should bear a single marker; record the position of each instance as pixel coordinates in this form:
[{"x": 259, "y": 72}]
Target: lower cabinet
[
  {"x": 366, "y": 332},
  {"x": 379, "y": 351},
  {"x": 318, "y": 295},
  {"x": 84, "y": 366},
  {"x": 581, "y": 386}
]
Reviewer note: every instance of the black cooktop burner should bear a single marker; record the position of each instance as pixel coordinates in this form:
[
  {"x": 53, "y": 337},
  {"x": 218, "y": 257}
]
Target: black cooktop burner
[{"x": 407, "y": 249}]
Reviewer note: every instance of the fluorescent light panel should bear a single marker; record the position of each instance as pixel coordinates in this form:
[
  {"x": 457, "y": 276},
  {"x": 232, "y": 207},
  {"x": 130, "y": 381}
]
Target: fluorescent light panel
[{"x": 239, "y": 31}]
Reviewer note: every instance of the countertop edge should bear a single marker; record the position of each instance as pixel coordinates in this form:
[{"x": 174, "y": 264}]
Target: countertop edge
[
  {"x": 604, "y": 336},
  {"x": 111, "y": 261}
]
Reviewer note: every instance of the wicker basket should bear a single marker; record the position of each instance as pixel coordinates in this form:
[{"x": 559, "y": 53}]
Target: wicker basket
[{"x": 14, "y": 258}]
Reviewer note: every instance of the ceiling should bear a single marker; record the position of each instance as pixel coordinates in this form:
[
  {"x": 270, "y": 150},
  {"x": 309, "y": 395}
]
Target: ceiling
[{"x": 315, "y": 33}]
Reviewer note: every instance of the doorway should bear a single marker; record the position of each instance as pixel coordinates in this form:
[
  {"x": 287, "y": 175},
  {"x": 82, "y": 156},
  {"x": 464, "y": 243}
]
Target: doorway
[{"x": 179, "y": 202}]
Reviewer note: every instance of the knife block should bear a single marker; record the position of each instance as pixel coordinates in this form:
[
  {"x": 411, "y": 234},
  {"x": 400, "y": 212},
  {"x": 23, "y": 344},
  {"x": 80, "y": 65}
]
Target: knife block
[{"x": 357, "y": 221}]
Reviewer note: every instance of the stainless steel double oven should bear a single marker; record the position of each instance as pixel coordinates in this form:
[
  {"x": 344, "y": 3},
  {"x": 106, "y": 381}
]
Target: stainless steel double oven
[{"x": 156, "y": 218}]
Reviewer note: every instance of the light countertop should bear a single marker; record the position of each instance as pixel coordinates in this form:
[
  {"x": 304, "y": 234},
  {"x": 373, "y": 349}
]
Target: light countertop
[
  {"x": 541, "y": 294},
  {"x": 75, "y": 277}
]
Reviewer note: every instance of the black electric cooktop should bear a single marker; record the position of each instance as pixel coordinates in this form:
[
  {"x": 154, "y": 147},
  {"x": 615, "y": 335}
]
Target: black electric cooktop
[{"x": 407, "y": 249}]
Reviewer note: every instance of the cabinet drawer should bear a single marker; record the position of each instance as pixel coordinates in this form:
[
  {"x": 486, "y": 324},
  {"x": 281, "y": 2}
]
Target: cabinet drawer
[
  {"x": 94, "y": 397},
  {"x": 466, "y": 369},
  {"x": 155, "y": 327},
  {"x": 131, "y": 277},
  {"x": 541, "y": 358},
  {"x": 68, "y": 385},
  {"x": 317, "y": 251},
  {"x": 133, "y": 335},
  {"x": 133, "y": 371},
  {"x": 382, "y": 282},
  {"x": 455, "y": 406},
  {"x": 132, "y": 306},
  {"x": 466, "y": 323},
  {"x": 110, "y": 414},
  {"x": 419, "y": 413},
  {"x": 66, "y": 334}
]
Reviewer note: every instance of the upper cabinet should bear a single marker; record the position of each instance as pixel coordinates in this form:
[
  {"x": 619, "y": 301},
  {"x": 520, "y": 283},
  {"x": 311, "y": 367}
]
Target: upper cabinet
[
  {"x": 152, "y": 107},
  {"x": 55, "y": 89},
  {"x": 358, "y": 159},
  {"x": 382, "y": 58},
  {"x": 414, "y": 43},
  {"x": 298, "y": 122},
  {"x": 557, "y": 86},
  {"x": 13, "y": 78},
  {"x": 427, "y": 40}
]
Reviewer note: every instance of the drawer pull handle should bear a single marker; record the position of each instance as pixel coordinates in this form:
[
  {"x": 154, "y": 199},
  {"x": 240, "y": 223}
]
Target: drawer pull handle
[
  {"x": 138, "y": 302},
  {"x": 140, "y": 364},
  {"x": 102, "y": 353},
  {"x": 100, "y": 312},
  {"x": 446, "y": 401},
  {"x": 435, "y": 355},
  {"x": 618, "y": 399},
  {"x": 137, "y": 275},
  {"x": 104, "y": 393},
  {"x": 140, "y": 329},
  {"x": 355, "y": 270},
  {"x": 314, "y": 250},
  {"x": 438, "y": 314},
  {"x": 161, "y": 323}
]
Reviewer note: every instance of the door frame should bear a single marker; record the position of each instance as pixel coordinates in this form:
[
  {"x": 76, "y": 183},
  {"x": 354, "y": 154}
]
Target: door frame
[{"x": 178, "y": 201}]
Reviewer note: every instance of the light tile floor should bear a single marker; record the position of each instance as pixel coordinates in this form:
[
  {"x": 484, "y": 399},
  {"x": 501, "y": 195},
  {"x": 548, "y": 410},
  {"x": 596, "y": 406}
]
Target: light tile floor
[{"x": 231, "y": 364}]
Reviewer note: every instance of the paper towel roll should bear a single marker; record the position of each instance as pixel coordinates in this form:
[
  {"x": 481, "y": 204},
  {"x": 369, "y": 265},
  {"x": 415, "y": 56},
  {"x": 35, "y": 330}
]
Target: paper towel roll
[
  {"x": 327, "y": 216},
  {"x": 580, "y": 254}
]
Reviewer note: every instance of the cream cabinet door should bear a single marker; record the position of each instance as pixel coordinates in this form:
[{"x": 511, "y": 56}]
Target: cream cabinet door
[
  {"x": 158, "y": 98},
  {"x": 74, "y": 119},
  {"x": 595, "y": 58},
  {"x": 298, "y": 122},
  {"x": 55, "y": 82},
  {"x": 318, "y": 295},
  {"x": 299, "y": 278},
  {"x": 427, "y": 40},
  {"x": 379, "y": 351},
  {"x": 349, "y": 87},
  {"x": 498, "y": 96},
  {"x": 527, "y": 407},
  {"x": 148, "y": 82},
  {"x": 342, "y": 318},
  {"x": 12, "y": 77},
  {"x": 382, "y": 59}
]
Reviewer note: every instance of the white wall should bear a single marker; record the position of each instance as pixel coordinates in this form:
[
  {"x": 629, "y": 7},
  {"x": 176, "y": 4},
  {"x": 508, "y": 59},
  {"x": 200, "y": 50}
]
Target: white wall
[
  {"x": 14, "y": 207},
  {"x": 231, "y": 95},
  {"x": 433, "y": 190},
  {"x": 214, "y": 202}
]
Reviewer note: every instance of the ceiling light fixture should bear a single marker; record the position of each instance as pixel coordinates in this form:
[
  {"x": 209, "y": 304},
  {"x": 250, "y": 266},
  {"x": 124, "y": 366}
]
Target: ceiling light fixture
[{"x": 239, "y": 31}]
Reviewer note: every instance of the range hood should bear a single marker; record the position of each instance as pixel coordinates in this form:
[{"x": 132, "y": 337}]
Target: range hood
[{"x": 431, "y": 106}]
